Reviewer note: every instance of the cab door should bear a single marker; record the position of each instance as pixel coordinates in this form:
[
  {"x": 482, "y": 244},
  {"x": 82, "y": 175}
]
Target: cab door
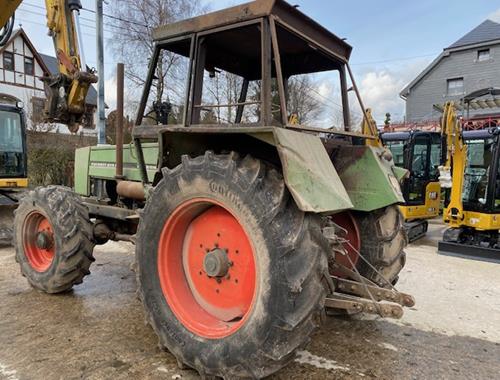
[{"x": 422, "y": 160}]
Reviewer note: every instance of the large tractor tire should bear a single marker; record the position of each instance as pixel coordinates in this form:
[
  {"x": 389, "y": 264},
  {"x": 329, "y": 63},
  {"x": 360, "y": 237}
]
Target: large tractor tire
[
  {"x": 379, "y": 236},
  {"x": 231, "y": 273},
  {"x": 53, "y": 239},
  {"x": 383, "y": 240}
]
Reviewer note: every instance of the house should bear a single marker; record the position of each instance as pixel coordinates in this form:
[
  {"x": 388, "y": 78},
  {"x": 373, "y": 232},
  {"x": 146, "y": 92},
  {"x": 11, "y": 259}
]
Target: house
[
  {"x": 471, "y": 63},
  {"x": 21, "y": 67}
]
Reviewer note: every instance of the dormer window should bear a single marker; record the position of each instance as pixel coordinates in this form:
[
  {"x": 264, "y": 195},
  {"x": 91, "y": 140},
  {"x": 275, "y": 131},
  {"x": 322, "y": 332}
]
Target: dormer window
[{"x": 483, "y": 55}]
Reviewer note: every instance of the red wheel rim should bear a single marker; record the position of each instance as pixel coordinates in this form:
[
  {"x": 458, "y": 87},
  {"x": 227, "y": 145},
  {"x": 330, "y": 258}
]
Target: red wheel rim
[
  {"x": 196, "y": 233},
  {"x": 38, "y": 241},
  {"x": 347, "y": 222}
]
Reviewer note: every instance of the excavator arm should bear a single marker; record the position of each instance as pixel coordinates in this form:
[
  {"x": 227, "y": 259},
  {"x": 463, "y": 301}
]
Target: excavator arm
[
  {"x": 455, "y": 163},
  {"x": 369, "y": 127},
  {"x": 67, "y": 90}
]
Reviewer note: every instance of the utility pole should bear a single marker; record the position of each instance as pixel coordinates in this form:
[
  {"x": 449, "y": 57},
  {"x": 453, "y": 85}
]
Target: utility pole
[{"x": 101, "y": 115}]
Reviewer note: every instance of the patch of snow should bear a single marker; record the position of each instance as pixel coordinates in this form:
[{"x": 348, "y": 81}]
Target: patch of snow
[
  {"x": 8, "y": 374},
  {"x": 388, "y": 346},
  {"x": 162, "y": 369},
  {"x": 305, "y": 357}
]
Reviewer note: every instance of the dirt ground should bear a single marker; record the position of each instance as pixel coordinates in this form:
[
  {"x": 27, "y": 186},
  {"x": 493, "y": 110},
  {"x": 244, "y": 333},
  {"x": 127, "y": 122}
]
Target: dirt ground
[{"x": 98, "y": 331}]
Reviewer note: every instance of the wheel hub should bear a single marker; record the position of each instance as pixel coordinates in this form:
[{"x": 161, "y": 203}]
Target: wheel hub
[
  {"x": 44, "y": 240},
  {"x": 38, "y": 241},
  {"x": 216, "y": 263},
  {"x": 348, "y": 223},
  {"x": 207, "y": 269}
]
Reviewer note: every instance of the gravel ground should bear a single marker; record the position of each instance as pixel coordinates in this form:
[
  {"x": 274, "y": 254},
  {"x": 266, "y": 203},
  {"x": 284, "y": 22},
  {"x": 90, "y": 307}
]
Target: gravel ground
[{"x": 98, "y": 331}]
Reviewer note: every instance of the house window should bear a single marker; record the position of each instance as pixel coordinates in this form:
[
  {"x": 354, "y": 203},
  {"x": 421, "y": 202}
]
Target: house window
[
  {"x": 455, "y": 86},
  {"x": 483, "y": 55},
  {"x": 8, "y": 60},
  {"x": 29, "y": 66}
]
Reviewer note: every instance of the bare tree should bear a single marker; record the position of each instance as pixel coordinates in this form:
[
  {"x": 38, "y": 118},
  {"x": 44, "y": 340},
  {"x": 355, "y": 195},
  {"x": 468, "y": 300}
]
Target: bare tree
[
  {"x": 222, "y": 88},
  {"x": 307, "y": 107},
  {"x": 134, "y": 21}
]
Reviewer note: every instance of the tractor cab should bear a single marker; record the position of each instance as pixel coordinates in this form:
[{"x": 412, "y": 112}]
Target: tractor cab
[
  {"x": 13, "y": 158},
  {"x": 418, "y": 152}
]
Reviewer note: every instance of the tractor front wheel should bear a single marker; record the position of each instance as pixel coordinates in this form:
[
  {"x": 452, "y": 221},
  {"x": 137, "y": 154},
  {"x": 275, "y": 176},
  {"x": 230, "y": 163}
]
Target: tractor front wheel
[
  {"x": 230, "y": 271},
  {"x": 53, "y": 239}
]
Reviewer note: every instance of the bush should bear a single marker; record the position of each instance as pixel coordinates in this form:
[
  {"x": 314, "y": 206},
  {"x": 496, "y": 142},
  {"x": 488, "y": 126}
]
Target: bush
[{"x": 50, "y": 166}]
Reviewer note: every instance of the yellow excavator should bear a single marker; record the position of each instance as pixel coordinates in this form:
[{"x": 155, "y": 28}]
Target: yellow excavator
[
  {"x": 471, "y": 171},
  {"x": 418, "y": 152},
  {"x": 65, "y": 93}
]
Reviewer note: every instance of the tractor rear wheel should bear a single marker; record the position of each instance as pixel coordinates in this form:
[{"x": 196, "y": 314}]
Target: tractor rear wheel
[
  {"x": 53, "y": 239},
  {"x": 230, "y": 271},
  {"x": 379, "y": 236},
  {"x": 383, "y": 239}
]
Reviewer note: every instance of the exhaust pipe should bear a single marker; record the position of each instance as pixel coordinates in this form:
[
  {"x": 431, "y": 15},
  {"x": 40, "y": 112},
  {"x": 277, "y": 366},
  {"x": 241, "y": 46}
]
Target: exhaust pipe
[{"x": 120, "y": 75}]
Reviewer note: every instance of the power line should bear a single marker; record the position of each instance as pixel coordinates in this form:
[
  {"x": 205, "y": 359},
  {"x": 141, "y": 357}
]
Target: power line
[
  {"x": 332, "y": 102},
  {"x": 85, "y": 18},
  {"x": 395, "y": 59},
  {"x": 83, "y": 24},
  {"x": 118, "y": 18}
]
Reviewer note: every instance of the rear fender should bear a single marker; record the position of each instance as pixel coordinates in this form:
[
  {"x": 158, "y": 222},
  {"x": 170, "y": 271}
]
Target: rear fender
[
  {"x": 369, "y": 175},
  {"x": 308, "y": 171}
]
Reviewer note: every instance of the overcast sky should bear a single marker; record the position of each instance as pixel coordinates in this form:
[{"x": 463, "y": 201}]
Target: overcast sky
[{"x": 393, "y": 40}]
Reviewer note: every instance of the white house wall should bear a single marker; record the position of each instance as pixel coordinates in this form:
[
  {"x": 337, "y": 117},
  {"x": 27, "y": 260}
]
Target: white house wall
[
  {"x": 25, "y": 87},
  {"x": 18, "y": 77}
]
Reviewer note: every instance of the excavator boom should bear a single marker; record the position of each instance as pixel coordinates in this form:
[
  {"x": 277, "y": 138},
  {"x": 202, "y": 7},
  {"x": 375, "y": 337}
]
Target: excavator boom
[
  {"x": 66, "y": 92},
  {"x": 455, "y": 163}
]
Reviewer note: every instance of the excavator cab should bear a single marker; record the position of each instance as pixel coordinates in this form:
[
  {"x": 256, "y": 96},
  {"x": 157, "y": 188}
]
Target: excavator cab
[
  {"x": 418, "y": 152},
  {"x": 13, "y": 165},
  {"x": 13, "y": 159},
  {"x": 482, "y": 165}
]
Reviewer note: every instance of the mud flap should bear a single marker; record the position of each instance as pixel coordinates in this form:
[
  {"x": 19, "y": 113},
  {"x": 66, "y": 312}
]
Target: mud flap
[{"x": 309, "y": 173}]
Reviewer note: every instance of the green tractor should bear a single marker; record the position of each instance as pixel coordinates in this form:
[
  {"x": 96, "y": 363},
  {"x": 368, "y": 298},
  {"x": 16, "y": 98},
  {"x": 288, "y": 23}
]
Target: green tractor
[{"x": 247, "y": 230}]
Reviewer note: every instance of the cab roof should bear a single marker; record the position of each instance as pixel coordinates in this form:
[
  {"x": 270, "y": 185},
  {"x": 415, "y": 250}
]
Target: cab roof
[{"x": 285, "y": 14}]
